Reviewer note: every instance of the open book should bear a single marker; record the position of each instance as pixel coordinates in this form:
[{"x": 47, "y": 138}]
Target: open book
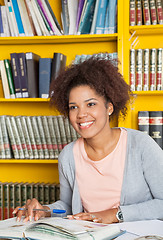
[{"x": 57, "y": 228}]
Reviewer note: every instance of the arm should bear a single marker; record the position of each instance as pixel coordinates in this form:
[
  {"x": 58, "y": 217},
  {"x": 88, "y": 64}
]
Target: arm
[{"x": 145, "y": 181}]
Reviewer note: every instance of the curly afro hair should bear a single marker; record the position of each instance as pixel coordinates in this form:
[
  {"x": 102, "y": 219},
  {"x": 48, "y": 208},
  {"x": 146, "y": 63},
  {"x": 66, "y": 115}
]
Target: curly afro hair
[{"x": 101, "y": 75}]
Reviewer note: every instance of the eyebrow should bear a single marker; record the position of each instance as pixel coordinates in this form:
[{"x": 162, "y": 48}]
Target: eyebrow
[{"x": 90, "y": 99}]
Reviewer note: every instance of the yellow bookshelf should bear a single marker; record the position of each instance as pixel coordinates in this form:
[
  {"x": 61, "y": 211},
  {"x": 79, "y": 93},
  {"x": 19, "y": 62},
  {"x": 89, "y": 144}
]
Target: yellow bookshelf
[
  {"x": 47, "y": 170},
  {"x": 136, "y": 37}
]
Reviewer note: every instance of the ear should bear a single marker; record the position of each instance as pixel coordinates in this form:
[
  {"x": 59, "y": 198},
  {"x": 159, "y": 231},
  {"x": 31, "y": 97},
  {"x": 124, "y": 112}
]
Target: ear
[{"x": 110, "y": 108}]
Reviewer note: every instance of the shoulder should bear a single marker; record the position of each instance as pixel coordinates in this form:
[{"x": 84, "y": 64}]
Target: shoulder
[{"x": 66, "y": 156}]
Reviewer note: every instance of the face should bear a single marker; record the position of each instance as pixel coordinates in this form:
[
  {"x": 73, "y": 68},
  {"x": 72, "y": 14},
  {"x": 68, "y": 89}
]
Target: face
[{"x": 88, "y": 112}]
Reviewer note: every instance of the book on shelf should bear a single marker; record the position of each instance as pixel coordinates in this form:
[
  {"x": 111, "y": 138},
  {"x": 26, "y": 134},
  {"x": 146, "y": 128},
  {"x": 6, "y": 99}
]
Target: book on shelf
[
  {"x": 1, "y": 201},
  {"x": 139, "y": 15},
  {"x": 41, "y": 193},
  {"x": 42, "y": 137},
  {"x": 111, "y": 18},
  {"x": 65, "y": 17},
  {"x": 2, "y": 34},
  {"x": 153, "y": 55},
  {"x": 25, "y": 18},
  {"x": 159, "y": 7},
  {"x": 32, "y": 63},
  {"x": 16, "y": 74},
  {"x": 5, "y": 21},
  {"x": 62, "y": 130},
  {"x": 5, "y": 136},
  {"x": 156, "y": 126},
  {"x": 60, "y": 228},
  {"x": 153, "y": 12},
  {"x": 13, "y": 18},
  {"x": 57, "y": 133},
  {"x": 9, "y": 78},
  {"x": 11, "y": 198},
  {"x": 44, "y": 76},
  {"x": 18, "y": 18},
  {"x": 2, "y": 147},
  {"x": 159, "y": 70},
  {"x": 139, "y": 68},
  {"x": 79, "y": 12},
  {"x": 133, "y": 12},
  {"x": 6, "y": 200},
  {"x": 67, "y": 129},
  {"x": 9, "y": 19},
  {"x": 58, "y": 64},
  {"x": 23, "y": 193},
  {"x": 143, "y": 121},
  {"x": 23, "y": 74},
  {"x": 146, "y": 12},
  {"x": 86, "y": 21},
  {"x": 53, "y": 136},
  {"x": 132, "y": 69},
  {"x": 72, "y": 10},
  {"x": 93, "y": 26},
  {"x": 100, "y": 21},
  {"x": 146, "y": 64},
  {"x": 5, "y": 85}
]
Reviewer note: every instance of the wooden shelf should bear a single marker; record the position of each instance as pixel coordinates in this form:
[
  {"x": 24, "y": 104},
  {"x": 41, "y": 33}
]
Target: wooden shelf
[
  {"x": 146, "y": 29},
  {"x": 29, "y": 161},
  {"x": 25, "y": 100},
  {"x": 148, "y": 93}
]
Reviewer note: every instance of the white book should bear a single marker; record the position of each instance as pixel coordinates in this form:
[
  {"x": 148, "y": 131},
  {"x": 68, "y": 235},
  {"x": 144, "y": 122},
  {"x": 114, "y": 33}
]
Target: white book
[
  {"x": 34, "y": 18},
  {"x": 72, "y": 10},
  {"x": 4, "y": 80},
  {"x": 25, "y": 18},
  {"x": 13, "y": 19},
  {"x": 50, "y": 18},
  {"x": 11, "y": 27},
  {"x": 39, "y": 18},
  {"x": 5, "y": 22}
]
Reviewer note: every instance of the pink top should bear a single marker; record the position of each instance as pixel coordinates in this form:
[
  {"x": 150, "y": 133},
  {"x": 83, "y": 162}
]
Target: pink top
[{"x": 100, "y": 182}]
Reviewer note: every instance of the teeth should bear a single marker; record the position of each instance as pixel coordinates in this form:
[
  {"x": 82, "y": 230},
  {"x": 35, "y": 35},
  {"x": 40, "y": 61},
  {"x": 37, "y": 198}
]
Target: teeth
[{"x": 86, "y": 124}]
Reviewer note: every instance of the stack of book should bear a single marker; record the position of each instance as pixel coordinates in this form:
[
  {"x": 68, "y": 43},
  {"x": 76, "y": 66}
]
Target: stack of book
[
  {"x": 29, "y": 75},
  {"x": 151, "y": 122},
  {"x": 14, "y": 194},
  {"x": 146, "y": 69},
  {"x": 34, "y": 137},
  {"x": 28, "y": 18},
  {"x": 89, "y": 16},
  {"x": 146, "y": 12}
]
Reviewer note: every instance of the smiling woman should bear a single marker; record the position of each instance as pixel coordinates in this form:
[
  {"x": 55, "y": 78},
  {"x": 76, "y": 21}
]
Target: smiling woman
[{"x": 109, "y": 174}]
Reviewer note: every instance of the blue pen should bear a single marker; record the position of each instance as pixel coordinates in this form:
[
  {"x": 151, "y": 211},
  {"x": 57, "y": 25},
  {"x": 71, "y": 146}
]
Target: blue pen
[{"x": 57, "y": 211}]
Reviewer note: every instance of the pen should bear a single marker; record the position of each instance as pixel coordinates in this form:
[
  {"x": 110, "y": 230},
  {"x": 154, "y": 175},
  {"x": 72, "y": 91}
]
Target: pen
[{"x": 58, "y": 211}]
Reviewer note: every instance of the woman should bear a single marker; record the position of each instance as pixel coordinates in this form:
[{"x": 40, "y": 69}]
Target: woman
[{"x": 109, "y": 174}]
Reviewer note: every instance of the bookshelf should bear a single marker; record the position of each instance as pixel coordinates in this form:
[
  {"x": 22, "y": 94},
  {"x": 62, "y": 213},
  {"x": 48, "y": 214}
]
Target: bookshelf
[
  {"x": 144, "y": 36},
  {"x": 17, "y": 170}
]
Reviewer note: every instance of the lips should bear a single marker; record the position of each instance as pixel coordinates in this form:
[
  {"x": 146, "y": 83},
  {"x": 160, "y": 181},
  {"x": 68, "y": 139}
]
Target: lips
[{"x": 85, "y": 124}]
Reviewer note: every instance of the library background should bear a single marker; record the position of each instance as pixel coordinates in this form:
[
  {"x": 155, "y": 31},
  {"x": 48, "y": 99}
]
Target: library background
[{"x": 37, "y": 39}]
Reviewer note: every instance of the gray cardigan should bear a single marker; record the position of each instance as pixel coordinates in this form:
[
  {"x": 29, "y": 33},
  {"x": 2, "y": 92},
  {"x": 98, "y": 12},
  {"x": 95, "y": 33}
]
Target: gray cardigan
[{"x": 142, "y": 188}]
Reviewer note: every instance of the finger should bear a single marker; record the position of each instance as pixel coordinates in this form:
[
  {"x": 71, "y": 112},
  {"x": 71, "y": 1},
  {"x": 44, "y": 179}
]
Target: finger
[{"x": 97, "y": 220}]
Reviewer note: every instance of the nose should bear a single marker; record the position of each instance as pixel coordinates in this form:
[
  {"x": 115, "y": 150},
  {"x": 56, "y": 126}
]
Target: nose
[{"x": 82, "y": 112}]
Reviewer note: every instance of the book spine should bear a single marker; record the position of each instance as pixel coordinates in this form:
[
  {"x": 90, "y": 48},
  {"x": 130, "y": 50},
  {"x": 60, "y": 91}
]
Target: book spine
[
  {"x": 100, "y": 21},
  {"x": 34, "y": 18},
  {"x": 18, "y": 18},
  {"x": 53, "y": 136},
  {"x": 139, "y": 68},
  {"x": 72, "y": 10},
  {"x": 93, "y": 26},
  {"x": 2, "y": 145},
  {"x": 11, "y": 27},
  {"x": 132, "y": 69},
  {"x": 37, "y": 137},
  {"x": 17, "y": 138},
  {"x": 1, "y": 201},
  {"x": 2, "y": 34},
  {"x": 143, "y": 121},
  {"x": 16, "y": 74},
  {"x": 67, "y": 129},
  {"x": 152, "y": 5},
  {"x": 73, "y": 133},
  {"x": 10, "y": 78},
  {"x": 47, "y": 136},
  {"x": 12, "y": 199},
  {"x": 112, "y": 17},
  {"x": 79, "y": 11},
  {"x": 6, "y": 200},
  {"x": 30, "y": 18},
  {"x": 155, "y": 126},
  {"x": 146, "y": 12},
  {"x": 153, "y": 55},
  {"x": 46, "y": 194},
  {"x": 13, "y": 19},
  {"x": 26, "y": 136},
  {"x": 41, "y": 193},
  {"x": 35, "y": 190},
  {"x": 57, "y": 192},
  {"x": 159, "y": 7},
  {"x": 5, "y": 137},
  {"x": 62, "y": 130},
  {"x": 132, "y": 13},
  {"x": 42, "y": 137},
  {"x": 5, "y": 21},
  {"x": 18, "y": 194},
  {"x": 139, "y": 12},
  {"x": 159, "y": 69},
  {"x": 52, "y": 193},
  {"x": 30, "y": 191},
  {"x": 31, "y": 136},
  {"x": 23, "y": 193},
  {"x": 57, "y": 133},
  {"x": 12, "y": 138},
  {"x": 4, "y": 80},
  {"x": 21, "y": 136},
  {"x": 146, "y": 69},
  {"x": 23, "y": 74}
]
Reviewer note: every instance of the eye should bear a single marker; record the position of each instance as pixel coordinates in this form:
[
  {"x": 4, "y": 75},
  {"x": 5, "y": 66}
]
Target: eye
[
  {"x": 91, "y": 104},
  {"x": 72, "y": 107}
]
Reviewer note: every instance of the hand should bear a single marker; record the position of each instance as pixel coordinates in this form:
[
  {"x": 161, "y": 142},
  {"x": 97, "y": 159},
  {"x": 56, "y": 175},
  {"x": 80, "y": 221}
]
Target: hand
[
  {"x": 29, "y": 213},
  {"x": 107, "y": 216}
]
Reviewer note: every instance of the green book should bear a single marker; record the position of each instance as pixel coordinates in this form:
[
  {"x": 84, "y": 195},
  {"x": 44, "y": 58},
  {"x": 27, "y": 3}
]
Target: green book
[{"x": 9, "y": 77}]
